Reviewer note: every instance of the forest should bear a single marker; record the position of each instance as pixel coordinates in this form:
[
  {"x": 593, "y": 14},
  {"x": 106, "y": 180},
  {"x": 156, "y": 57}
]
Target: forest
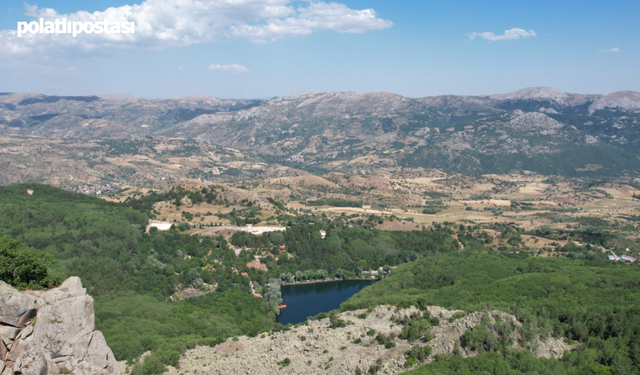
[
  {"x": 47, "y": 234},
  {"x": 346, "y": 251},
  {"x": 593, "y": 303},
  {"x": 52, "y": 234}
]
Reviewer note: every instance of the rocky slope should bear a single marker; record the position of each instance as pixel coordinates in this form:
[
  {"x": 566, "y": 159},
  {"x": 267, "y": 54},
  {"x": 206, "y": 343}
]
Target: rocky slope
[
  {"x": 316, "y": 348},
  {"x": 51, "y": 332}
]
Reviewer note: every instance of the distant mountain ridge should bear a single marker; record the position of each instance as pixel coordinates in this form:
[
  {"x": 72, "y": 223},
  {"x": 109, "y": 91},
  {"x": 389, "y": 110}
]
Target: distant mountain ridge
[{"x": 538, "y": 129}]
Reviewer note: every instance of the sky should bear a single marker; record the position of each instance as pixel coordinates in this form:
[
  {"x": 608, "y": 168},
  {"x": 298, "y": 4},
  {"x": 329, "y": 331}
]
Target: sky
[{"x": 267, "y": 48}]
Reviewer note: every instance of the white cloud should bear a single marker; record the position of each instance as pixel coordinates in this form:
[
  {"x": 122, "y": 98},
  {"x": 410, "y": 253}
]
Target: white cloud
[
  {"x": 316, "y": 17},
  {"x": 614, "y": 49},
  {"x": 229, "y": 68},
  {"x": 510, "y": 34},
  {"x": 170, "y": 23},
  {"x": 181, "y": 68}
]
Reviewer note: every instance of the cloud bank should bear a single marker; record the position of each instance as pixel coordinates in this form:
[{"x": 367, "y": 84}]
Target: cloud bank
[
  {"x": 614, "y": 49},
  {"x": 510, "y": 34},
  {"x": 230, "y": 68},
  {"x": 173, "y": 23}
]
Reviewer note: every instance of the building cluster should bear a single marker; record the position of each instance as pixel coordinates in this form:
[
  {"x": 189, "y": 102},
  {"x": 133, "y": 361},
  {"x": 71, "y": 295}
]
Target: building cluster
[
  {"x": 299, "y": 158},
  {"x": 95, "y": 189},
  {"x": 207, "y": 181},
  {"x": 624, "y": 258},
  {"x": 191, "y": 292}
]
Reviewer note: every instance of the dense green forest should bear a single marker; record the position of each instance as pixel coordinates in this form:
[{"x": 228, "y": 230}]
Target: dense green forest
[
  {"x": 134, "y": 277},
  {"x": 591, "y": 302},
  {"x": 346, "y": 251},
  {"x": 134, "y": 323},
  {"x": 62, "y": 234},
  {"x": 509, "y": 363},
  {"x": 130, "y": 273},
  {"x": 103, "y": 243},
  {"x": 25, "y": 268}
]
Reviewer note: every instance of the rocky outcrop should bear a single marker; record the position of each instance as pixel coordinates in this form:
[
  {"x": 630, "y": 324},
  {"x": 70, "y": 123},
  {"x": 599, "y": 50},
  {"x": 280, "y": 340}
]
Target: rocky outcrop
[
  {"x": 536, "y": 121},
  {"x": 316, "y": 348},
  {"x": 623, "y": 100},
  {"x": 51, "y": 332},
  {"x": 532, "y": 93}
]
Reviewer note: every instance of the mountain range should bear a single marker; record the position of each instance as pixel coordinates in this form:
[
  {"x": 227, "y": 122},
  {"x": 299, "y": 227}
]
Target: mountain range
[{"x": 538, "y": 129}]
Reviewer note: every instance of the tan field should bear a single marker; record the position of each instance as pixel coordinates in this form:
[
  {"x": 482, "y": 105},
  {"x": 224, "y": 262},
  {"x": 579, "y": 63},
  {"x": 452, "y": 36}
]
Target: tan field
[{"x": 399, "y": 199}]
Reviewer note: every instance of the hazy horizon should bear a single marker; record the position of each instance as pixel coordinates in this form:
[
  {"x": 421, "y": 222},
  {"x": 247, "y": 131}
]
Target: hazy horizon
[{"x": 291, "y": 94}]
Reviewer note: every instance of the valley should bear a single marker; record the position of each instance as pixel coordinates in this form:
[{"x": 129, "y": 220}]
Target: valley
[
  {"x": 314, "y": 187},
  {"x": 499, "y": 229}
]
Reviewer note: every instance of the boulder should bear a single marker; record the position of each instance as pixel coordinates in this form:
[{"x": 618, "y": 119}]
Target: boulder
[
  {"x": 15, "y": 308},
  {"x": 62, "y": 337}
]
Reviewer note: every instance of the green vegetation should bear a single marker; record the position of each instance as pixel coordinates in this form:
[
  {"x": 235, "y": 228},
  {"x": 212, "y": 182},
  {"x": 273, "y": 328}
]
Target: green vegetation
[
  {"x": 510, "y": 363},
  {"x": 242, "y": 217},
  {"x": 134, "y": 323},
  {"x": 433, "y": 209},
  {"x": 417, "y": 327},
  {"x": 133, "y": 274},
  {"x": 616, "y": 159},
  {"x": 592, "y": 302},
  {"x": 136, "y": 279},
  {"x": 346, "y": 251},
  {"x": 130, "y": 273},
  {"x": 334, "y": 202},
  {"x": 284, "y": 363},
  {"x": 175, "y": 195},
  {"x": 278, "y": 205},
  {"x": 24, "y": 268},
  {"x": 456, "y": 316},
  {"x": 416, "y": 354}
]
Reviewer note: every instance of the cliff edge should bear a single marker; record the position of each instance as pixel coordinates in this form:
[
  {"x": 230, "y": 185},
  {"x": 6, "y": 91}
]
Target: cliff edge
[{"x": 51, "y": 332}]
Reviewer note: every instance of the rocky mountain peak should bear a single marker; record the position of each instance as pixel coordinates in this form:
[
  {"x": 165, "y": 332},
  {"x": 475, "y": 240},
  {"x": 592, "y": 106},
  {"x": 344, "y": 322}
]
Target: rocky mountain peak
[
  {"x": 626, "y": 100},
  {"x": 532, "y": 93}
]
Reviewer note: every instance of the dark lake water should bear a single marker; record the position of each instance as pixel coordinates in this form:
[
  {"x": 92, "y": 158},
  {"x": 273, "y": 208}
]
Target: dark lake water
[{"x": 305, "y": 300}]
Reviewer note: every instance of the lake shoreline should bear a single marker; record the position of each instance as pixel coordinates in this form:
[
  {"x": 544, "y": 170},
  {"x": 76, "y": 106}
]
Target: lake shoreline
[
  {"x": 311, "y": 298},
  {"x": 331, "y": 281}
]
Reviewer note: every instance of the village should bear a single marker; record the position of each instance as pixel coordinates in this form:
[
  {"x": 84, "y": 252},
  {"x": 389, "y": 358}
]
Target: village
[{"x": 95, "y": 189}]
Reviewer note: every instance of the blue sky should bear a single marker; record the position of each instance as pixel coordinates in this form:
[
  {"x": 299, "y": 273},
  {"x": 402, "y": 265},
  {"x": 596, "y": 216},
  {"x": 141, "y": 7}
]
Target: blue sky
[{"x": 413, "y": 48}]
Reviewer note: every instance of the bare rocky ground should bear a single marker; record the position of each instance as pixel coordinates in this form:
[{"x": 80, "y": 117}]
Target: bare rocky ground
[{"x": 315, "y": 348}]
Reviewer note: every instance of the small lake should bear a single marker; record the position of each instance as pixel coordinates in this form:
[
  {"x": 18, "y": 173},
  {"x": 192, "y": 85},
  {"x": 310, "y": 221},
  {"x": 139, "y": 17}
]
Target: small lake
[{"x": 305, "y": 300}]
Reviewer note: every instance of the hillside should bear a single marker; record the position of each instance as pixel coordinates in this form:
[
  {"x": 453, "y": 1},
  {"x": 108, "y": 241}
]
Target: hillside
[
  {"x": 132, "y": 275},
  {"x": 540, "y": 130},
  {"x": 373, "y": 340},
  {"x": 138, "y": 277},
  {"x": 592, "y": 303},
  {"x": 564, "y": 292}
]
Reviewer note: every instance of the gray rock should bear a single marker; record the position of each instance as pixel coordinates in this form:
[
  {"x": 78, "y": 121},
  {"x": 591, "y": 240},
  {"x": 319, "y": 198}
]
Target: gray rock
[
  {"x": 8, "y": 334},
  {"x": 15, "y": 308},
  {"x": 26, "y": 332},
  {"x": 31, "y": 364},
  {"x": 62, "y": 338}
]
